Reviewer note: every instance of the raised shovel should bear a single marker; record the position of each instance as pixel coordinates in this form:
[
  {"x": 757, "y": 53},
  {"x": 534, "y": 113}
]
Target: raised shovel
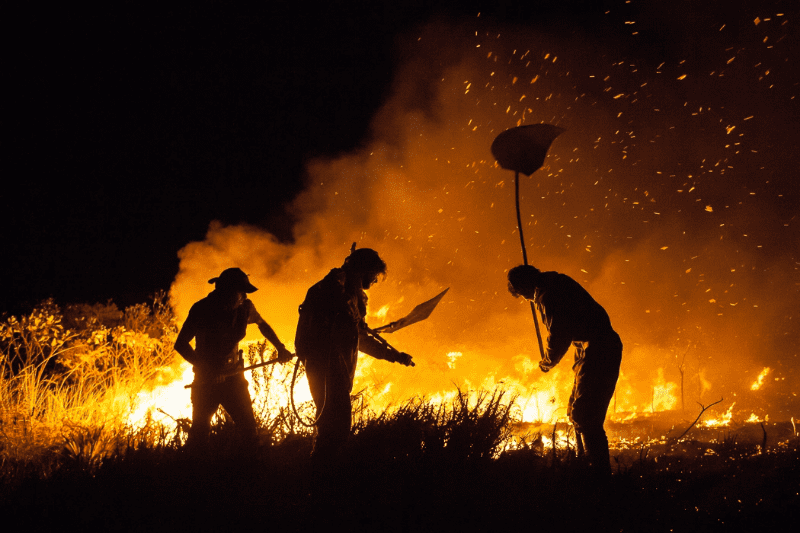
[{"x": 523, "y": 149}]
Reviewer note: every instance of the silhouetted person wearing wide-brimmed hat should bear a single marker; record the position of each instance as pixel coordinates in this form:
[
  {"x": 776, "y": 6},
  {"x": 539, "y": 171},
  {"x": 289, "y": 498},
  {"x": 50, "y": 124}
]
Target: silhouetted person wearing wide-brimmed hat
[
  {"x": 217, "y": 323},
  {"x": 573, "y": 317},
  {"x": 330, "y": 333}
]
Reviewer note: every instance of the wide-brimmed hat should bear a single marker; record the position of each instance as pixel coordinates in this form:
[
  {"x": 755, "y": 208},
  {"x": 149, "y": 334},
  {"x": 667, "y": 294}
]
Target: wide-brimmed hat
[{"x": 233, "y": 279}]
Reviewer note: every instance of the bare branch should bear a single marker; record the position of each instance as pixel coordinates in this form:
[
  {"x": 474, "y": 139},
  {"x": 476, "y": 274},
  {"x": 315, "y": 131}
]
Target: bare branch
[{"x": 698, "y": 417}]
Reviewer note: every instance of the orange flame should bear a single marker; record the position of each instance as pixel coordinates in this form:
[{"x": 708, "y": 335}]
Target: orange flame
[
  {"x": 760, "y": 379},
  {"x": 722, "y": 421}
]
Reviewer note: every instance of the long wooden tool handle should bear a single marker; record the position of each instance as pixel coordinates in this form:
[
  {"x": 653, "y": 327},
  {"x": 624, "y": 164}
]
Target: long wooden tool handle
[
  {"x": 258, "y": 365},
  {"x": 525, "y": 260},
  {"x": 245, "y": 369},
  {"x": 519, "y": 221}
]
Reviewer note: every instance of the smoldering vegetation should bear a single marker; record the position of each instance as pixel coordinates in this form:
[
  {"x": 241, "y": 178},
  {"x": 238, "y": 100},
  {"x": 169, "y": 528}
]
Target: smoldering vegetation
[{"x": 75, "y": 450}]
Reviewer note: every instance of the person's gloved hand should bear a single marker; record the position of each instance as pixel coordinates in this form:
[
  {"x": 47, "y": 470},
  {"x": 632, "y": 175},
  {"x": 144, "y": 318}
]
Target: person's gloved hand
[
  {"x": 284, "y": 355},
  {"x": 405, "y": 359}
]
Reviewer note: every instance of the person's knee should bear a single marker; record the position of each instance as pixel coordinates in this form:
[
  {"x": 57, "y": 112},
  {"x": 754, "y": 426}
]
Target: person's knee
[
  {"x": 593, "y": 433},
  {"x": 582, "y": 420},
  {"x": 201, "y": 421}
]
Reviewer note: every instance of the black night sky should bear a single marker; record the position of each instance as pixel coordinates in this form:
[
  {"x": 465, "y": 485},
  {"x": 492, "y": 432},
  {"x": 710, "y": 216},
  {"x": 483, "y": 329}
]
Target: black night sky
[{"x": 132, "y": 128}]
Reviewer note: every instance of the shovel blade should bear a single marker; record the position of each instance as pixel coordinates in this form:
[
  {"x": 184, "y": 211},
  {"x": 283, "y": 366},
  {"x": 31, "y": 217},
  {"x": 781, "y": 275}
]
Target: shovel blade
[{"x": 419, "y": 313}]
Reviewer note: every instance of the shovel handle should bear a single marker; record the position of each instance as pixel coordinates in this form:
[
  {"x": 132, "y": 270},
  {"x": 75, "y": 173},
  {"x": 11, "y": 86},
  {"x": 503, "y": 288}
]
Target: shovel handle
[
  {"x": 525, "y": 260},
  {"x": 229, "y": 374}
]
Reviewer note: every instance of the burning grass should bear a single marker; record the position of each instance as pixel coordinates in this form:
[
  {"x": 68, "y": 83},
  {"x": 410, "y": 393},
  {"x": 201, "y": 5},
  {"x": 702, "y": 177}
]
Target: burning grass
[
  {"x": 72, "y": 380},
  {"x": 84, "y": 439}
]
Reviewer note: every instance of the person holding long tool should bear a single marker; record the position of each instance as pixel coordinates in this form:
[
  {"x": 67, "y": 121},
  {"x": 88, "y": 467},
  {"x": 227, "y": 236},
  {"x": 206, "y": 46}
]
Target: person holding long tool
[
  {"x": 330, "y": 332},
  {"x": 218, "y": 323},
  {"x": 573, "y": 317}
]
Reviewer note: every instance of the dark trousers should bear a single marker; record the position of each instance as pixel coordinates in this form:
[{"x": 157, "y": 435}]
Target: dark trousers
[
  {"x": 596, "y": 375},
  {"x": 233, "y": 395},
  {"x": 330, "y": 386}
]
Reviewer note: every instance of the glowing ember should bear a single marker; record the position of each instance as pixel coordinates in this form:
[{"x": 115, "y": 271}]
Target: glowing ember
[{"x": 760, "y": 380}]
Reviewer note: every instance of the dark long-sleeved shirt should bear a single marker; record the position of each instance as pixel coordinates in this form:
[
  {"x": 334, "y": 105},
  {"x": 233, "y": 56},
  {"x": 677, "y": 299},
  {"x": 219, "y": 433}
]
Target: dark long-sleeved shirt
[
  {"x": 570, "y": 314},
  {"x": 217, "y": 330},
  {"x": 332, "y": 326}
]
